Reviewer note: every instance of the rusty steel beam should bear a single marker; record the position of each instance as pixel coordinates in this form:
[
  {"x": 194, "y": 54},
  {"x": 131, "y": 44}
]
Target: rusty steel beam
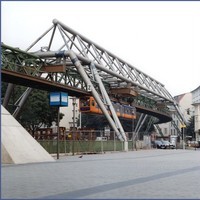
[
  {"x": 124, "y": 91},
  {"x": 40, "y": 83}
]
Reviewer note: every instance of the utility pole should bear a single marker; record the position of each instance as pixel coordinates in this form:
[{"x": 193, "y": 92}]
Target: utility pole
[
  {"x": 58, "y": 132},
  {"x": 133, "y": 133},
  {"x": 73, "y": 128},
  {"x": 183, "y": 135}
]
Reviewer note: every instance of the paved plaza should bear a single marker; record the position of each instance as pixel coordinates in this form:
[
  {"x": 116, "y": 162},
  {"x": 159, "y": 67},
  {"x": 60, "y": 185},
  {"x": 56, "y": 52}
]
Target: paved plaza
[{"x": 143, "y": 174}]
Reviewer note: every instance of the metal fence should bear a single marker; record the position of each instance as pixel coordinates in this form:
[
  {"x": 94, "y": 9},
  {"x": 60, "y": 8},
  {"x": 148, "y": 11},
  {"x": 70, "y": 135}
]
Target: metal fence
[
  {"x": 89, "y": 142},
  {"x": 86, "y": 147}
]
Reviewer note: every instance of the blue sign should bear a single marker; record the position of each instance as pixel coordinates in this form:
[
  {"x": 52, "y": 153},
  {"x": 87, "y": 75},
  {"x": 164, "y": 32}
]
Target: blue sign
[{"x": 58, "y": 99}]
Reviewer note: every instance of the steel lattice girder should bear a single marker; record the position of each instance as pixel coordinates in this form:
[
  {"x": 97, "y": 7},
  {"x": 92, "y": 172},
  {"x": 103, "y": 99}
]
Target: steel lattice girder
[
  {"x": 114, "y": 71},
  {"x": 16, "y": 60},
  {"x": 111, "y": 65}
]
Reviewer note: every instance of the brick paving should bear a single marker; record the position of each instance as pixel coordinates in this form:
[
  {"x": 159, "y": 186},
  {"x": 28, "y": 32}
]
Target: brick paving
[{"x": 144, "y": 174}]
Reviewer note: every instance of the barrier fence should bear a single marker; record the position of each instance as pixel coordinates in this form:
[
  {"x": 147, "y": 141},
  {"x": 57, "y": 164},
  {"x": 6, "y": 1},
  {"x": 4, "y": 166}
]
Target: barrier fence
[
  {"x": 89, "y": 147},
  {"x": 86, "y": 142},
  {"x": 85, "y": 147}
]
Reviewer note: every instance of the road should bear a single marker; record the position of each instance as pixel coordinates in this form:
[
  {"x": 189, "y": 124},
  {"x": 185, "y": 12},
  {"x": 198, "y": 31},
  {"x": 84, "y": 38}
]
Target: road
[{"x": 121, "y": 175}]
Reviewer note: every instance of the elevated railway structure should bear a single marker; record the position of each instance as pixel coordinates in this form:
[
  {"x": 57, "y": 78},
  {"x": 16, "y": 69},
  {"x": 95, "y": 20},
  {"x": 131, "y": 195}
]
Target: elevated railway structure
[{"x": 68, "y": 61}]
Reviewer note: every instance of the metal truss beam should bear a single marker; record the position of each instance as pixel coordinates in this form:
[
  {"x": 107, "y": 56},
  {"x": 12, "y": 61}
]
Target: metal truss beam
[
  {"x": 110, "y": 65},
  {"x": 106, "y": 61},
  {"x": 114, "y": 71}
]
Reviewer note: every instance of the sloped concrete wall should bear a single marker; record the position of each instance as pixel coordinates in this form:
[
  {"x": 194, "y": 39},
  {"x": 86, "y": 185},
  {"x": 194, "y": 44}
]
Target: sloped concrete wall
[{"x": 17, "y": 145}]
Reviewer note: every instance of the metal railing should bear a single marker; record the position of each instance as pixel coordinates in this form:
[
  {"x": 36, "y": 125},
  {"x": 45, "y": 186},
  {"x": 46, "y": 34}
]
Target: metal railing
[{"x": 88, "y": 147}]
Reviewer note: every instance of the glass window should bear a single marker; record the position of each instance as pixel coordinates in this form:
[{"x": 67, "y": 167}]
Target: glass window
[{"x": 93, "y": 103}]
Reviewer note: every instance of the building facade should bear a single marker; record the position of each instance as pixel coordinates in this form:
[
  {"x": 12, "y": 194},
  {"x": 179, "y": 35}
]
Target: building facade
[
  {"x": 185, "y": 103},
  {"x": 196, "y": 105},
  {"x": 70, "y": 112}
]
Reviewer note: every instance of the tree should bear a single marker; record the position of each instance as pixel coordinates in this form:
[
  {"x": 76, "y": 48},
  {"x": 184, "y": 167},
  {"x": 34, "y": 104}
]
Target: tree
[
  {"x": 36, "y": 112},
  {"x": 190, "y": 127}
]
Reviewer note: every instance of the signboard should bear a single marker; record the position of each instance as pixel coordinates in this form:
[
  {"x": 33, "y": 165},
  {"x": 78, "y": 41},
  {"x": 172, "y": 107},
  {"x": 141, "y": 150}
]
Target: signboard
[
  {"x": 183, "y": 126},
  {"x": 107, "y": 130},
  {"x": 58, "y": 99}
]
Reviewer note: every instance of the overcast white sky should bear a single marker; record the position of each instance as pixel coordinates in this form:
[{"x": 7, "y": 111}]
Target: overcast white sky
[{"x": 161, "y": 39}]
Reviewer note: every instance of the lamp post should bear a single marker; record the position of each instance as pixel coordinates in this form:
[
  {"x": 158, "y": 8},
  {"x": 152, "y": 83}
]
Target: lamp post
[
  {"x": 73, "y": 128},
  {"x": 133, "y": 132},
  {"x": 58, "y": 132},
  {"x": 183, "y": 135}
]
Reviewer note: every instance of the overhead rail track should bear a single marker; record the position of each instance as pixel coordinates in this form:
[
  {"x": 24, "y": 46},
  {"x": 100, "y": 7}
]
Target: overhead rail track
[
  {"x": 20, "y": 67},
  {"x": 112, "y": 69},
  {"x": 66, "y": 58}
]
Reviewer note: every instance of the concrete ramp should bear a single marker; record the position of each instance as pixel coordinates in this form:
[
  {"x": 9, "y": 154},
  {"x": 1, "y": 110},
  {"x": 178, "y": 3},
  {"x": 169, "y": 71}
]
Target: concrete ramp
[{"x": 17, "y": 145}]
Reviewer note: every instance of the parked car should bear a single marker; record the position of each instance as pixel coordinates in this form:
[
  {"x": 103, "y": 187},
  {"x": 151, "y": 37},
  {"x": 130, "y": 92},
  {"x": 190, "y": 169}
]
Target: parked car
[
  {"x": 193, "y": 144},
  {"x": 172, "y": 145},
  {"x": 164, "y": 144},
  {"x": 158, "y": 144},
  {"x": 168, "y": 145}
]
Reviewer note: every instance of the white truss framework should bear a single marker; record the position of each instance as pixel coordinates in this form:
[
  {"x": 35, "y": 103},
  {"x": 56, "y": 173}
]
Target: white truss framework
[
  {"x": 112, "y": 69},
  {"x": 112, "y": 65}
]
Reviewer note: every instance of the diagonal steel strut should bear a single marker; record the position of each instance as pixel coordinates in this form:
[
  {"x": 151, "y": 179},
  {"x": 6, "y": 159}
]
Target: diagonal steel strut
[{"x": 108, "y": 102}]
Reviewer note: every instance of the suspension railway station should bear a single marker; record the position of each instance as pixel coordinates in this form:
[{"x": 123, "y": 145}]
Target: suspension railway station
[{"x": 104, "y": 83}]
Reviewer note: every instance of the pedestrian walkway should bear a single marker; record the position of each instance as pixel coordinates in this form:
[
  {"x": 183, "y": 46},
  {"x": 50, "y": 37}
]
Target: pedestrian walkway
[{"x": 162, "y": 174}]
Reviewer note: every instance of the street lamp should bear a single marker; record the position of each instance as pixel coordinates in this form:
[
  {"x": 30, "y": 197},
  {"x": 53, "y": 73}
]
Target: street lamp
[
  {"x": 133, "y": 133},
  {"x": 73, "y": 128}
]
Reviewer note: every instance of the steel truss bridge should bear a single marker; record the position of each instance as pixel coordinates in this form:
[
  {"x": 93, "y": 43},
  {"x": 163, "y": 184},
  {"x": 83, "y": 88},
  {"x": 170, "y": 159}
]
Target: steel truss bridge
[{"x": 64, "y": 60}]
